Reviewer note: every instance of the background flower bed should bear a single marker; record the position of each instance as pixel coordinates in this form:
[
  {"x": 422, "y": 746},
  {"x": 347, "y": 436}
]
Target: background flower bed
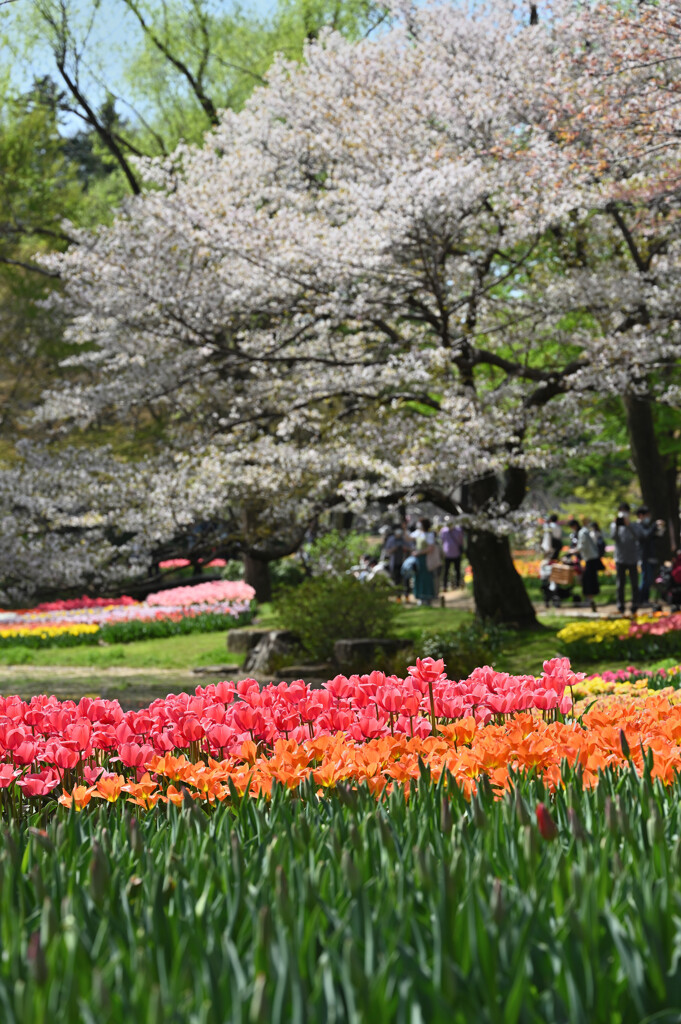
[
  {"x": 645, "y": 637},
  {"x": 206, "y": 607}
]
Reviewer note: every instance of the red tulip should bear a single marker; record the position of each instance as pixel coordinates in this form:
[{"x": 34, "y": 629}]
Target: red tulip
[{"x": 547, "y": 826}]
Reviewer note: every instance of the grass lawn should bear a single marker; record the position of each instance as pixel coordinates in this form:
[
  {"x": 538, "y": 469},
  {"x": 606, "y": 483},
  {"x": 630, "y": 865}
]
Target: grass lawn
[
  {"x": 178, "y": 652},
  {"x": 522, "y": 652}
]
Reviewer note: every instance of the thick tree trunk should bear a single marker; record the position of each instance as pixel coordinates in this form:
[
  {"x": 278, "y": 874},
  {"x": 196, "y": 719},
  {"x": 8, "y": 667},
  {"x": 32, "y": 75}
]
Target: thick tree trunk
[
  {"x": 656, "y": 473},
  {"x": 257, "y": 573},
  {"x": 498, "y": 590}
]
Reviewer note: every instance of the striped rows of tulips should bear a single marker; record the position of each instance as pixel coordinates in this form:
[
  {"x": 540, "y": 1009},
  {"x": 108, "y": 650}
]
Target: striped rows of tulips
[
  {"x": 649, "y": 728},
  {"x": 645, "y": 636},
  {"x": 46, "y": 744},
  {"x": 205, "y": 607},
  {"x": 226, "y": 738}
]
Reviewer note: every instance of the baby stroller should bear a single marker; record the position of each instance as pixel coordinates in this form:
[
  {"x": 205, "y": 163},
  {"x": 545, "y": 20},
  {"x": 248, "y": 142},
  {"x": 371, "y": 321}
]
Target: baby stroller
[
  {"x": 557, "y": 581},
  {"x": 668, "y": 589}
]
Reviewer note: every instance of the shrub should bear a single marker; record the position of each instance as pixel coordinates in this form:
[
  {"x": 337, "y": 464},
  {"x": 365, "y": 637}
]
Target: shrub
[
  {"x": 335, "y": 552},
  {"x": 331, "y": 608},
  {"x": 286, "y": 572},
  {"x": 463, "y": 649}
]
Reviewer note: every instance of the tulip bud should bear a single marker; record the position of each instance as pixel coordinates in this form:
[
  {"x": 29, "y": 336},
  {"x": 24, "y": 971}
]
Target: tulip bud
[
  {"x": 655, "y": 826},
  {"x": 259, "y": 1012},
  {"x": 48, "y": 922},
  {"x": 281, "y": 886},
  {"x": 576, "y": 827},
  {"x": 479, "y": 816},
  {"x": 497, "y": 903},
  {"x": 135, "y": 832},
  {"x": 529, "y": 841},
  {"x": 547, "y": 826},
  {"x": 42, "y": 838},
  {"x": 521, "y": 811},
  {"x": 350, "y": 872},
  {"x": 446, "y": 821},
  {"x": 38, "y": 884},
  {"x": 35, "y": 954},
  {"x": 611, "y": 817},
  {"x": 100, "y": 876}
]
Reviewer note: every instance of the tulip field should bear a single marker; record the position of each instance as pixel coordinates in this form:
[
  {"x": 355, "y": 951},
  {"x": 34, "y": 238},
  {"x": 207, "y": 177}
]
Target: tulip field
[
  {"x": 204, "y": 607},
  {"x": 502, "y": 848}
]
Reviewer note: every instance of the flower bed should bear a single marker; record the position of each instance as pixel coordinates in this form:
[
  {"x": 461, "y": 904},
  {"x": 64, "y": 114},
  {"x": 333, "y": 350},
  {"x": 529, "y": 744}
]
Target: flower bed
[
  {"x": 646, "y": 636},
  {"x": 628, "y": 681},
  {"x": 205, "y": 607},
  {"x": 228, "y": 739},
  {"x": 245, "y": 849}
]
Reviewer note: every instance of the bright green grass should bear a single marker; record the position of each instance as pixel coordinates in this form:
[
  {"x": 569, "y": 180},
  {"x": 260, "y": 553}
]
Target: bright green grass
[
  {"x": 167, "y": 652},
  {"x": 523, "y": 652}
]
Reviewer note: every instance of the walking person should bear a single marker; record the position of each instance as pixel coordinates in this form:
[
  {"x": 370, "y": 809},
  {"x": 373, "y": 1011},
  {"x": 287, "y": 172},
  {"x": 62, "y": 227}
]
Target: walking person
[
  {"x": 649, "y": 531},
  {"x": 424, "y": 545},
  {"x": 588, "y": 552},
  {"x": 627, "y": 553},
  {"x": 552, "y": 537},
  {"x": 451, "y": 539},
  {"x": 397, "y": 547}
]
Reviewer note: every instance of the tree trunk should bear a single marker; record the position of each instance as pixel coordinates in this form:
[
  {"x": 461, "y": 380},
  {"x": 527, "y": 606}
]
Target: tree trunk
[
  {"x": 257, "y": 574},
  {"x": 656, "y": 473},
  {"x": 498, "y": 589}
]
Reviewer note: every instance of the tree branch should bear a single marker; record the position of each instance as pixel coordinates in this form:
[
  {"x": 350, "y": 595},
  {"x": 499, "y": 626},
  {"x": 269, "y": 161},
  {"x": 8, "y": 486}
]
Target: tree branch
[
  {"x": 33, "y": 267},
  {"x": 194, "y": 81}
]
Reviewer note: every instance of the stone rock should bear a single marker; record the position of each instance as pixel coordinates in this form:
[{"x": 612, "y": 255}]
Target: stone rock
[
  {"x": 267, "y": 653},
  {"x": 240, "y": 641},
  {"x": 359, "y": 655}
]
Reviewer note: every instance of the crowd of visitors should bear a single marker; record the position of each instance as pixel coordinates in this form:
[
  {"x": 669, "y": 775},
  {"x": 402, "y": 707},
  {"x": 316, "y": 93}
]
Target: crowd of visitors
[
  {"x": 421, "y": 555},
  {"x": 635, "y": 550},
  {"x": 424, "y": 558}
]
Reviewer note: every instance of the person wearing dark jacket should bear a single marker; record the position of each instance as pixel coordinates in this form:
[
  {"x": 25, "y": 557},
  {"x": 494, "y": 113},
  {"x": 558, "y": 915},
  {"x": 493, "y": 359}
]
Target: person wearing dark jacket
[
  {"x": 626, "y": 537},
  {"x": 649, "y": 531}
]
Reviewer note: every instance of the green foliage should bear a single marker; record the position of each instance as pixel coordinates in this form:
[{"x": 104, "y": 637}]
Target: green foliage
[
  {"x": 345, "y": 908},
  {"x": 632, "y": 649},
  {"x": 286, "y": 572},
  {"x": 471, "y": 645},
  {"x": 331, "y": 608},
  {"x": 335, "y": 552}
]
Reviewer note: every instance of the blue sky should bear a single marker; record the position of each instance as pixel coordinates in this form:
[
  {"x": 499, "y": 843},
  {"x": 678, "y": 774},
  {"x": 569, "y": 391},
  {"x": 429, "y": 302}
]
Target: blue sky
[{"x": 113, "y": 33}]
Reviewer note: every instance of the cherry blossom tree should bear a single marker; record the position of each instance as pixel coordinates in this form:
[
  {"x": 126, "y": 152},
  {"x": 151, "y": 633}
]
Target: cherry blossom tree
[{"x": 368, "y": 263}]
